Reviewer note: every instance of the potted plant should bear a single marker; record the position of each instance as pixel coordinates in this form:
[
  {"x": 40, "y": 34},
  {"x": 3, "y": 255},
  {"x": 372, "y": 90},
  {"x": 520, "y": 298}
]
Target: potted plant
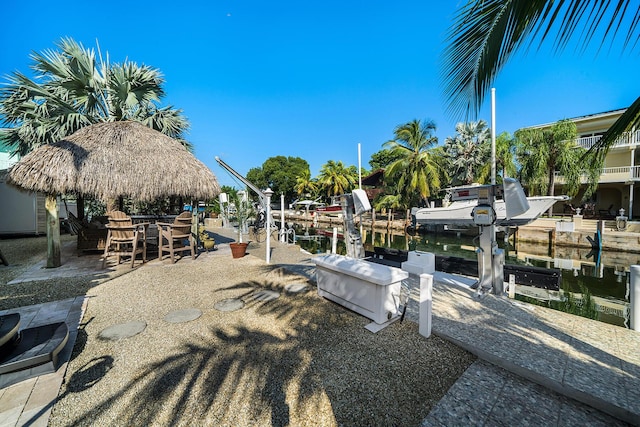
[
  {"x": 212, "y": 209},
  {"x": 242, "y": 214}
]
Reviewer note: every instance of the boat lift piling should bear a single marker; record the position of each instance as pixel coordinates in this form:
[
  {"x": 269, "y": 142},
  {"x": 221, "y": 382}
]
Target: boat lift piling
[
  {"x": 490, "y": 257},
  {"x": 354, "y": 204}
]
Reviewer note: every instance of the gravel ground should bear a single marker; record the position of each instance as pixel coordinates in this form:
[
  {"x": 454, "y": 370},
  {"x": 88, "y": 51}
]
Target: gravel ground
[
  {"x": 296, "y": 360},
  {"x": 22, "y": 253}
]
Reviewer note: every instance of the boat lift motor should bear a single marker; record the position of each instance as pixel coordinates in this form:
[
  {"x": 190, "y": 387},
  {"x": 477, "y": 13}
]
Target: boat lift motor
[
  {"x": 356, "y": 204},
  {"x": 490, "y": 257}
]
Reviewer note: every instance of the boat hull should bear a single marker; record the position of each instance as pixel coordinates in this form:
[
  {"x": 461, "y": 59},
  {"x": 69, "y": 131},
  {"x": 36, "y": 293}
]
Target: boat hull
[{"x": 459, "y": 213}]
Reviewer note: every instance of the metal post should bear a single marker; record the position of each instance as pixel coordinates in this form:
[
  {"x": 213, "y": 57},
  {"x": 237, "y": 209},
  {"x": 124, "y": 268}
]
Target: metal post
[
  {"x": 631, "y": 201},
  {"x": 498, "y": 271},
  {"x": 360, "y": 167},
  {"x": 485, "y": 260},
  {"x": 426, "y": 303},
  {"x": 334, "y": 241},
  {"x": 421, "y": 266},
  {"x": 222, "y": 199},
  {"x": 268, "y": 193},
  {"x": 283, "y": 237},
  {"x": 634, "y": 298},
  {"x": 493, "y": 136}
]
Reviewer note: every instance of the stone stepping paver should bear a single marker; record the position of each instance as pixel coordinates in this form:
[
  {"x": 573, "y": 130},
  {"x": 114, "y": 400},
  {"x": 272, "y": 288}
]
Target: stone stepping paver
[
  {"x": 122, "y": 330},
  {"x": 296, "y": 288},
  {"x": 183, "y": 316},
  {"x": 229, "y": 304}
]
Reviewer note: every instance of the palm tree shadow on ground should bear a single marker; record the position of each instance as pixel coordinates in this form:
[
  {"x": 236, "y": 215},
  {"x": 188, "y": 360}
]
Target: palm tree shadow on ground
[{"x": 318, "y": 366}]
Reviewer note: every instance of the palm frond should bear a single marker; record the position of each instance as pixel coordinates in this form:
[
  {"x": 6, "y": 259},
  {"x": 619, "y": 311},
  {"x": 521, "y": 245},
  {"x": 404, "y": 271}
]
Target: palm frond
[{"x": 486, "y": 33}]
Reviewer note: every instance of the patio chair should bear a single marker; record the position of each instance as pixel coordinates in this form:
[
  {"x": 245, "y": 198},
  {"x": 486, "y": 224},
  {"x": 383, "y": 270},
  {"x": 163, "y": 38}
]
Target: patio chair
[
  {"x": 124, "y": 238},
  {"x": 177, "y": 236}
]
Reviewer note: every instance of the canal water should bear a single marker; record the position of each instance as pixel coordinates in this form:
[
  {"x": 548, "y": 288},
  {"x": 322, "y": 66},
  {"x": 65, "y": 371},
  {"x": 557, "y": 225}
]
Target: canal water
[{"x": 593, "y": 285}]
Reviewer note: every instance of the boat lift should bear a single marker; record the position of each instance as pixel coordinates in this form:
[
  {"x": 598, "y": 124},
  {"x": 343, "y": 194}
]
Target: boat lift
[
  {"x": 490, "y": 257},
  {"x": 354, "y": 204},
  {"x": 263, "y": 195},
  {"x": 260, "y": 193}
]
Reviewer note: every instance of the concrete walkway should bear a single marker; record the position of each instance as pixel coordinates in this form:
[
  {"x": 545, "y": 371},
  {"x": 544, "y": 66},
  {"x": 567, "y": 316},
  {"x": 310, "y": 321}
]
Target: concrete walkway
[
  {"x": 537, "y": 366},
  {"x": 571, "y": 357},
  {"x": 30, "y": 402}
]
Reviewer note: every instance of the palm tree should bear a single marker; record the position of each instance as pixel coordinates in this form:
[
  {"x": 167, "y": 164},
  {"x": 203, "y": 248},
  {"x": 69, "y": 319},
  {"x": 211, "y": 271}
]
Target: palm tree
[
  {"x": 469, "y": 151},
  {"x": 336, "y": 179},
  {"x": 305, "y": 184},
  {"x": 486, "y": 33},
  {"x": 543, "y": 152},
  {"x": 73, "y": 89},
  {"x": 416, "y": 174}
]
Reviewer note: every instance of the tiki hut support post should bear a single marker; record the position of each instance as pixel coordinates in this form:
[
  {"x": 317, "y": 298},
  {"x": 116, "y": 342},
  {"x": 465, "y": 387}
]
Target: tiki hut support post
[{"x": 53, "y": 232}]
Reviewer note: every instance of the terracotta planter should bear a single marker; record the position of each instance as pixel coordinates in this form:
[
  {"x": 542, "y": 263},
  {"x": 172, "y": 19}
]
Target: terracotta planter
[{"x": 238, "y": 250}]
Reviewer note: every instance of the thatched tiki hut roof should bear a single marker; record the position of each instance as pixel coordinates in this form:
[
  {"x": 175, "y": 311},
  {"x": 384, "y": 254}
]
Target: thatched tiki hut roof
[{"x": 109, "y": 160}]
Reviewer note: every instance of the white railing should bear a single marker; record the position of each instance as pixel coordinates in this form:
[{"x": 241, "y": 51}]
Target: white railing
[
  {"x": 615, "y": 174},
  {"x": 628, "y": 138}
]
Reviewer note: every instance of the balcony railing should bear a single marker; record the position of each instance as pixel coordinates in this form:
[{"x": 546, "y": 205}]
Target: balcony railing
[
  {"x": 628, "y": 138},
  {"x": 616, "y": 174}
]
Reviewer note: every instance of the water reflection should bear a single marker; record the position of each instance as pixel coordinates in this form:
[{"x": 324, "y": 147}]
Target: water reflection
[{"x": 601, "y": 277}]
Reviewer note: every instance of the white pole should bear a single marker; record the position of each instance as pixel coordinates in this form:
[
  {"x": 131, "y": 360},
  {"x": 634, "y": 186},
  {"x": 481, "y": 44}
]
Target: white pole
[
  {"x": 334, "y": 241},
  {"x": 497, "y": 278},
  {"x": 282, "y": 236},
  {"x": 360, "y": 180},
  {"x": 359, "y": 167},
  {"x": 426, "y": 305},
  {"x": 268, "y": 192},
  {"x": 493, "y": 136}
]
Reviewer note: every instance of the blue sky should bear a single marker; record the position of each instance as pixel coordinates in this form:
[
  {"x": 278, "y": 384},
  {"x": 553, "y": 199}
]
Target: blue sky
[{"x": 311, "y": 79}]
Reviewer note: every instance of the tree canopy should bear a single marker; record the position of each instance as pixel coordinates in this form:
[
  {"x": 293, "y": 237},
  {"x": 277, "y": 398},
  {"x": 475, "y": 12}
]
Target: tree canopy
[
  {"x": 542, "y": 152},
  {"x": 469, "y": 151},
  {"x": 416, "y": 174},
  {"x": 335, "y": 178},
  {"x": 73, "y": 88},
  {"x": 383, "y": 158},
  {"x": 280, "y": 174}
]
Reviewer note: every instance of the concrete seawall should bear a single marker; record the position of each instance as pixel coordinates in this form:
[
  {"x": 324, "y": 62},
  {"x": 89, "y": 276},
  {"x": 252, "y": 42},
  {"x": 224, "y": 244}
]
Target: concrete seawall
[
  {"x": 545, "y": 230},
  {"x": 542, "y": 231}
]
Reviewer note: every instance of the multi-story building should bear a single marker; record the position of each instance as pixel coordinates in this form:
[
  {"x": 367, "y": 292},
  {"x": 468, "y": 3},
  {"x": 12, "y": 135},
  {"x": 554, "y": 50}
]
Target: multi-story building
[{"x": 619, "y": 180}]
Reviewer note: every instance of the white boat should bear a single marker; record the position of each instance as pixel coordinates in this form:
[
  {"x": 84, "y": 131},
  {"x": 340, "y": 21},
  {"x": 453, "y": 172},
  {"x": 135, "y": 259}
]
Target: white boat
[{"x": 459, "y": 212}]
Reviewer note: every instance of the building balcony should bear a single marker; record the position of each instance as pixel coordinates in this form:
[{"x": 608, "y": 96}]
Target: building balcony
[
  {"x": 620, "y": 174},
  {"x": 628, "y": 139}
]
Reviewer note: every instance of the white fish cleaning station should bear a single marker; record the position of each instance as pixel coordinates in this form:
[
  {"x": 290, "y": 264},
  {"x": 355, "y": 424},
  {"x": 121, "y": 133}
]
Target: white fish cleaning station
[
  {"x": 381, "y": 292},
  {"x": 378, "y": 292}
]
